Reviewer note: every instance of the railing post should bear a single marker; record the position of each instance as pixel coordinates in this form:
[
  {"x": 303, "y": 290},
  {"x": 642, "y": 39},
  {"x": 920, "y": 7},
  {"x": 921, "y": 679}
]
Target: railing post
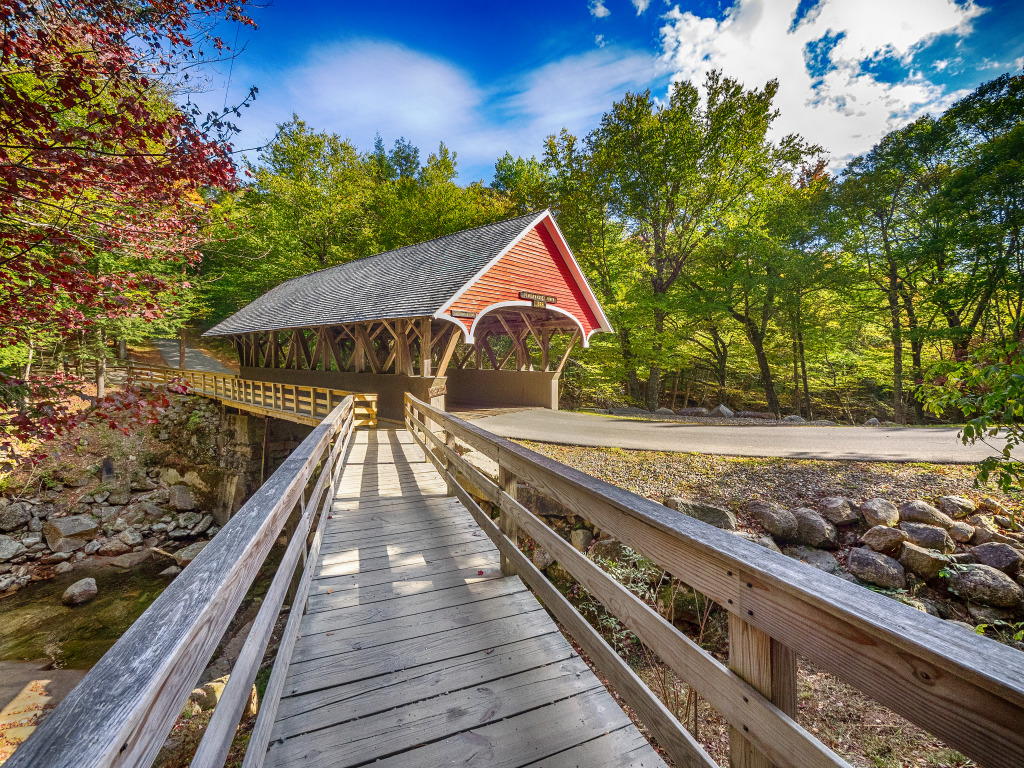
[
  {"x": 508, "y": 526},
  {"x": 449, "y": 440},
  {"x": 771, "y": 668}
]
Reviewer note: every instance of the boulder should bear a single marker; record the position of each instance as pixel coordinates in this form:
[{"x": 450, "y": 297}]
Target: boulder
[
  {"x": 956, "y": 506},
  {"x": 814, "y": 530},
  {"x": 883, "y": 539},
  {"x": 984, "y": 532},
  {"x": 189, "y": 519},
  {"x": 929, "y": 537},
  {"x": 1000, "y": 556},
  {"x": 609, "y": 549},
  {"x": 918, "y": 511},
  {"x": 209, "y": 695},
  {"x": 10, "y": 549},
  {"x": 762, "y": 541},
  {"x": 113, "y": 548},
  {"x": 987, "y": 586},
  {"x": 14, "y": 516},
  {"x": 665, "y": 412},
  {"x": 581, "y": 538},
  {"x": 131, "y": 537},
  {"x": 80, "y": 592},
  {"x": 131, "y": 559},
  {"x": 839, "y": 510},
  {"x": 182, "y": 498},
  {"x": 879, "y": 512},
  {"x": 119, "y": 496},
  {"x": 991, "y": 506},
  {"x": 542, "y": 559},
  {"x": 820, "y": 559},
  {"x": 64, "y": 567},
  {"x": 722, "y": 411},
  {"x": 794, "y": 419},
  {"x": 876, "y": 568},
  {"x": 986, "y": 614},
  {"x": 777, "y": 520},
  {"x": 186, "y": 555},
  {"x": 763, "y": 415},
  {"x": 67, "y": 534},
  {"x": 961, "y": 531},
  {"x": 170, "y": 571},
  {"x": 706, "y": 513},
  {"x": 922, "y": 562},
  {"x": 202, "y": 526},
  {"x": 692, "y": 412},
  {"x": 872, "y": 422}
]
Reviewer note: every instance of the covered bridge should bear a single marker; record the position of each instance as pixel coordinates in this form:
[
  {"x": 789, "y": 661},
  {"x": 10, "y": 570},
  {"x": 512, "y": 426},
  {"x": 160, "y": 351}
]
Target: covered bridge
[{"x": 468, "y": 318}]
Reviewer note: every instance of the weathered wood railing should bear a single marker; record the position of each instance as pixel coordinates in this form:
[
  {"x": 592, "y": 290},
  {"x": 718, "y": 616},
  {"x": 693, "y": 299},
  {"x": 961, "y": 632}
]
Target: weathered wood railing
[
  {"x": 965, "y": 689},
  {"x": 307, "y": 405},
  {"x": 123, "y": 709}
]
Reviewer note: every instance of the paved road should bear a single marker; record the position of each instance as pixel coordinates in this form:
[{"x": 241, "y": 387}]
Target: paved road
[
  {"x": 939, "y": 445},
  {"x": 195, "y": 359}
]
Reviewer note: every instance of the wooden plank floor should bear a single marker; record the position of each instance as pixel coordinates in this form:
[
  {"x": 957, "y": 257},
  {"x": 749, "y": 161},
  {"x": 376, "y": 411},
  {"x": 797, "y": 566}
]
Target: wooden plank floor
[{"x": 414, "y": 651}]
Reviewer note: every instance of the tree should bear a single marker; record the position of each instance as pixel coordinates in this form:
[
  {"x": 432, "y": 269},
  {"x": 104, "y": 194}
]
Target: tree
[{"x": 677, "y": 171}]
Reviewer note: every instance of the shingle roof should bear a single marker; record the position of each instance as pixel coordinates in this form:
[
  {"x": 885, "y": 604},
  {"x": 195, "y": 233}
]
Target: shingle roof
[{"x": 412, "y": 281}]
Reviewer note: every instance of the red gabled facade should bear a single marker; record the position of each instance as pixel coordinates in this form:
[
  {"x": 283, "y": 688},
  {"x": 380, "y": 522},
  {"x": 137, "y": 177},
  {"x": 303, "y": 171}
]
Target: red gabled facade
[{"x": 534, "y": 264}]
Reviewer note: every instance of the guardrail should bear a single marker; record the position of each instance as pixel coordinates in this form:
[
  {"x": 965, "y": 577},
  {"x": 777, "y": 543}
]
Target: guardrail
[
  {"x": 965, "y": 689},
  {"x": 307, "y": 405},
  {"x": 122, "y": 710}
]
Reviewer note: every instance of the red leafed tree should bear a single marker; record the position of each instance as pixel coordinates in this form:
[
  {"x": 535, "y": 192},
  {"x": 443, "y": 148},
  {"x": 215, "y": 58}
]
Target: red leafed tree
[{"x": 102, "y": 174}]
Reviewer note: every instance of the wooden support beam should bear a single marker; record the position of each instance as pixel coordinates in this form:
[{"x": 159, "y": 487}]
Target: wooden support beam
[
  {"x": 453, "y": 341},
  {"x": 332, "y": 344},
  {"x": 486, "y": 346},
  {"x": 568, "y": 349},
  {"x": 426, "y": 348},
  {"x": 522, "y": 356},
  {"x": 545, "y": 350},
  {"x": 508, "y": 483},
  {"x": 369, "y": 354},
  {"x": 300, "y": 334}
]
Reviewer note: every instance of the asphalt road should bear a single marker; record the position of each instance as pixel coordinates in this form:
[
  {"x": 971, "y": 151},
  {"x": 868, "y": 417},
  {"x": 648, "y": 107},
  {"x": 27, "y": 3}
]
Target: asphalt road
[{"x": 938, "y": 445}]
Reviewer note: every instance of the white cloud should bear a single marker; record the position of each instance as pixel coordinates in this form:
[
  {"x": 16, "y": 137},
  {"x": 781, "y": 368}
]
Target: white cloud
[
  {"x": 599, "y": 41},
  {"x": 640, "y": 5},
  {"x": 845, "y": 109},
  {"x": 598, "y": 9}
]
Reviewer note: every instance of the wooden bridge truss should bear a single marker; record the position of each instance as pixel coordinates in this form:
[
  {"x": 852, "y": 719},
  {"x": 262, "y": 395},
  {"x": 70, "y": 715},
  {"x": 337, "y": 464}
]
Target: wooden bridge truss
[{"x": 412, "y": 641}]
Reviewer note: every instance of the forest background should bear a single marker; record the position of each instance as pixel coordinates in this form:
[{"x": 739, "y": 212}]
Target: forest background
[{"x": 734, "y": 266}]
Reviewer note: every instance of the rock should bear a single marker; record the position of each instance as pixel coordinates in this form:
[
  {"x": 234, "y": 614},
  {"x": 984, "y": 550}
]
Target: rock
[
  {"x": 962, "y": 624},
  {"x": 542, "y": 559},
  {"x": 961, "y": 531},
  {"x": 879, "y": 512},
  {"x": 956, "y": 506},
  {"x": 10, "y": 549},
  {"x": 876, "y": 568},
  {"x": 14, "y": 516},
  {"x": 929, "y": 536},
  {"x": 131, "y": 537},
  {"x": 119, "y": 497},
  {"x": 991, "y": 506},
  {"x": 581, "y": 539},
  {"x": 608, "y": 549},
  {"x": 131, "y": 559},
  {"x": 209, "y": 695},
  {"x": 820, "y": 559},
  {"x": 80, "y": 592},
  {"x": 170, "y": 572},
  {"x": 814, "y": 530},
  {"x": 918, "y": 511},
  {"x": 777, "y": 520},
  {"x": 987, "y": 586},
  {"x": 692, "y": 412},
  {"x": 763, "y": 541},
  {"x": 182, "y": 498},
  {"x": 35, "y": 525},
  {"x": 763, "y": 415},
  {"x": 665, "y": 412},
  {"x": 113, "y": 548},
  {"x": 872, "y": 422},
  {"x": 922, "y": 562},
  {"x": 794, "y": 419},
  {"x": 839, "y": 510},
  {"x": 252, "y": 706},
  {"x": 986, "y": 614},
  {"x": 185, "y": 556},
  {"x": 1000, "y": 556},
  {"x": 189, "y": 519},
  {"x": 67, "y": 534},
  {"x": 1003, "y": 521},
  {"x": 706, "y": 513},
  {"x": 883, "y": 539},
  {"x": 984, "y": 532},
  {"x": 64, "y": 567},
  {"x": 722, "y": 411},
  {"x": 202, "y": 526}
]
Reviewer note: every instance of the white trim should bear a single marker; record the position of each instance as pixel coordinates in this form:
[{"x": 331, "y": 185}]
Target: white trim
[
  {"x": 581, "y": 279},
  {"x": 499, "y": 305},
  {"x": 466, "y": 337},
  {"x": 469, "y": 284}
]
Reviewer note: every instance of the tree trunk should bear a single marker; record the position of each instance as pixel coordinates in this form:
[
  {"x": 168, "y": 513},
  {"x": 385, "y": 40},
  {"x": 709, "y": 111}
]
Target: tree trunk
[
  {"x": 756, "y": 338},
  {"x": 101, "y": 366},
  {"x": 122, "y": 350},
  {"x": 797, "y": 406},
  {"x": 803, "y": 371},
  {"x": 27, "y": 371},
  {"x": 654, "y": 379},
  {"x": 181, "y": 348},
  {"x": 896, "y": 337}
]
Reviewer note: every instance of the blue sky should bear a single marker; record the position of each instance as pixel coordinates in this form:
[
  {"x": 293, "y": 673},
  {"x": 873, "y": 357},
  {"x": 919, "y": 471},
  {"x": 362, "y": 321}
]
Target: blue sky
[{"x": 488, "y": 77}]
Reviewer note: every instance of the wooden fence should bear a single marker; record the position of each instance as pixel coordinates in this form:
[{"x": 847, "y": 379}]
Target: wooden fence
[
  {"x": 965, "y": 689},
  {"x": 306, "y": 405},
  {"x": 122, "y": 710}
]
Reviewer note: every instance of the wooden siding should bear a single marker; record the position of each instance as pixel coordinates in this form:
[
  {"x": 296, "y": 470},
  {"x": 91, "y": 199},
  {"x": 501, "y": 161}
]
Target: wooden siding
[{"x": 534, "y": 264}]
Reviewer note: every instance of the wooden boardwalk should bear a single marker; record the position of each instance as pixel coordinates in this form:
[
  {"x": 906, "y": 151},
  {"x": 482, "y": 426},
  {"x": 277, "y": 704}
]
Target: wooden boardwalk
[{"x": 414, "y": 650}]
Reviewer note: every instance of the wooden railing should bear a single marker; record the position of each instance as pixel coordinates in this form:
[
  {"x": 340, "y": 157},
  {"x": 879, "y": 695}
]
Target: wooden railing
[
  {"x": 122, "y": 710},
  {"x": 308, "y": 405},
  {"x": 963, "y": 688}
]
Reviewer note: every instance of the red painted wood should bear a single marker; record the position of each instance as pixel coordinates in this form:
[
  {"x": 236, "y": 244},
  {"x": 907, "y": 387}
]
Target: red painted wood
[{"x": 534, "y": 264}]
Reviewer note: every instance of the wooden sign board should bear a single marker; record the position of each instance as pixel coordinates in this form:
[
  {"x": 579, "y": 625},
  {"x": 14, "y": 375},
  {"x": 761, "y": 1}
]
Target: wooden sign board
[
  {"x": 440, "y": 389},
  {"x": 462, "y": 313},
  {"x": 538, "y": 299}
]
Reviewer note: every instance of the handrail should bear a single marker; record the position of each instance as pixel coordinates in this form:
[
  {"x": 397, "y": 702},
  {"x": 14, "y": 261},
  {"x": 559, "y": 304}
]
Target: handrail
[
  {"x": 122, "y": 710},
  {"x": 305, "y": 404},
  {"x": 965, "y": 689}
]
